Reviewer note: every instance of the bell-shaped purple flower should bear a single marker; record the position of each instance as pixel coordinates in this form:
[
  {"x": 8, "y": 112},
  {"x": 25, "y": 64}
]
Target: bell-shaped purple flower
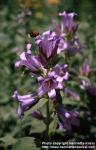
[
  {"x": 29, "y": 61},
  {"x": 60, "y": 72},
  {"x": 68, "y": 25},
  {"x": 53, "y": 80},
  {"x": 67, "y": 119},
  {"x": 48, "y": 45},
  {"x": 25, "y": 102},
  {"x": 48, "y": 86},
  {"x": 48, "y": 35}
]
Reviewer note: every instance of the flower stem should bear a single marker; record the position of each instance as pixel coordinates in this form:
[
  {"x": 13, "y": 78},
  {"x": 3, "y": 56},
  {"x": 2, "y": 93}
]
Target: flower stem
[{"x": 48, "y": 118}]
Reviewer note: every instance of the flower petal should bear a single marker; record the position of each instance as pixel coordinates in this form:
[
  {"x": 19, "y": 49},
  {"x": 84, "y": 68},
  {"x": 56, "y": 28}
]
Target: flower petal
[{"x": 52, "y": 93}]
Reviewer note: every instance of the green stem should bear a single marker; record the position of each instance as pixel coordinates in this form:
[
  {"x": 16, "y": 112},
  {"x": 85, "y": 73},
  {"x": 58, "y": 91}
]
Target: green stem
[{"x": 48, "y": 118}]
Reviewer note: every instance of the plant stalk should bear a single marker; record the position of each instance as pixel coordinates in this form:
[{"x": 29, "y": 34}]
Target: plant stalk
[{"x": 47, "y": 118}]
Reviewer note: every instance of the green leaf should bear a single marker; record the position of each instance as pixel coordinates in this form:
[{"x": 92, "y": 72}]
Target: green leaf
[
  {"x": 84, "y": 78},
  {"x": 8, "y": 140},
  {"x": 25, "y": 143},
  {"x": 53, "y": 125},
  {"x": 37, "y": 106}
]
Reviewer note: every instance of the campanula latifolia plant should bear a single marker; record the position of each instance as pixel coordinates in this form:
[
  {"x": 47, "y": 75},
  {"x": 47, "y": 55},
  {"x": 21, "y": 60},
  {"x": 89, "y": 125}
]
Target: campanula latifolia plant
[{"x": 53, "y": 75}]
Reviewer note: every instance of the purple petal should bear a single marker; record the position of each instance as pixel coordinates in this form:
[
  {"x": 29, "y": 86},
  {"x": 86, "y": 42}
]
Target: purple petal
[
  {"x": 29, "y": 61},
  {"x": 67, "y": 118},
  {"x": 85, "y": 68},
  {"x": 62, "y": 46},
  {"x": 47, "y": 85},
  {"x": 48, "y": 45},
  {"x": 22, "y": 56},
  {"x": 52, "y": 93},
  {"x": 29, "y": 46},
  {"x": 40, "y": 79},
  {"x": 25, "y": 102},
  {"x": 41, "y": 91},
  {"x": 33, "y": 61},
  {"x": 20, "y": 111},
  {"x": 61, "y": 127}
]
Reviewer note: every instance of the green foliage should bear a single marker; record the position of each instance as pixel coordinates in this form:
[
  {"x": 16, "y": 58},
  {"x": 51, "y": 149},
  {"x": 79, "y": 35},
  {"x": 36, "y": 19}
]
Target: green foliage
[
  {"x": 8, "y": 140},
  {"x": 53, "y": 125},
  {"x": 26, "y": 143}
]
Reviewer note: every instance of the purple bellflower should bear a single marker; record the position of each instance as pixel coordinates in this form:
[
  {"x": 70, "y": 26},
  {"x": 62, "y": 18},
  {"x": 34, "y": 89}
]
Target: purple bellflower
[
  {"x": 25, "y": 102},
  {"x": 48, "y": 86},
  {"x": 48, "y": 45},
  {"x": 60, "y": 72},
  {"x": 67, "y": 119},
  {"x": 53, "y": 81},
  {"x": 29, "y": 61},
  {"x": 68, "y": 26}
]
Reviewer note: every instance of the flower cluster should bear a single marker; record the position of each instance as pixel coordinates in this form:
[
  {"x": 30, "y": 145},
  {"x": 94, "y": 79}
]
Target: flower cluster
[{"x": 51, "y": 75}]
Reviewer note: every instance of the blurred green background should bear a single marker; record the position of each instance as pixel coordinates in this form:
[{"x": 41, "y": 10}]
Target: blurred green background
[{"x": 17, "y": 18}]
